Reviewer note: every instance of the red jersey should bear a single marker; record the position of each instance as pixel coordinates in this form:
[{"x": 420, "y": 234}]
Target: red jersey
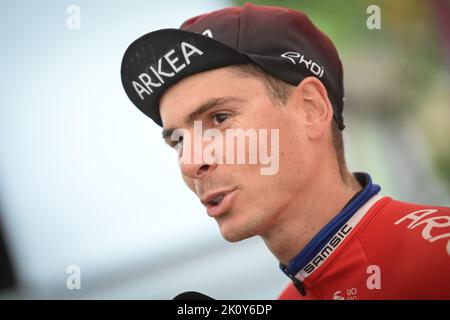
[{"x": 387, "y": 249}]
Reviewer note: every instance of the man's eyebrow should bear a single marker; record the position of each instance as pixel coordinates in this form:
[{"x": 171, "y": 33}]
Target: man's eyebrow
[{"x": 203, "y": 108}]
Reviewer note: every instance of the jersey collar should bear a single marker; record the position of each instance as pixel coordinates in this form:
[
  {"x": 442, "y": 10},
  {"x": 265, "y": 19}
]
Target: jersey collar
[{"x": 333, "y": 227}]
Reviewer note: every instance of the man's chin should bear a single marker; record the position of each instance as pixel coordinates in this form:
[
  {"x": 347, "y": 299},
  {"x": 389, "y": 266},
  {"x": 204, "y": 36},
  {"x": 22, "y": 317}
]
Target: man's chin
[
  {"x": 234, "y": 227},
  {"x": 233, "y": 238},
  {"x": 234, "y": 233}
]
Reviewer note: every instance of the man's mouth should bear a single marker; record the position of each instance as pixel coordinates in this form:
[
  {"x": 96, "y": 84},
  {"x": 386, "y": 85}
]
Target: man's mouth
[{"x": 218, "y": 202}]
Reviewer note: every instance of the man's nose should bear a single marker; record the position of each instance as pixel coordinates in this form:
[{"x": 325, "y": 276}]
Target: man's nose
[
  {"x": 197, "y": 171},
  {"x": 196, "y": 167}
]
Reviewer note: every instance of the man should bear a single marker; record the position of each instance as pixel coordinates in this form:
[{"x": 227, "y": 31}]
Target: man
[{"x": 243, "y": 70}]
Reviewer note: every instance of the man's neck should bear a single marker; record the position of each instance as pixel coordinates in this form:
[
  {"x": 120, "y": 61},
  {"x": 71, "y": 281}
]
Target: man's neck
[{"x": 306, "y": 216}]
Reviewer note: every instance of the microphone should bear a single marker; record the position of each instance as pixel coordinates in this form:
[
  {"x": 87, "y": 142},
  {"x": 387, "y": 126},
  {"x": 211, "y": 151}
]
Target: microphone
[{"x": 192, "y": 295}]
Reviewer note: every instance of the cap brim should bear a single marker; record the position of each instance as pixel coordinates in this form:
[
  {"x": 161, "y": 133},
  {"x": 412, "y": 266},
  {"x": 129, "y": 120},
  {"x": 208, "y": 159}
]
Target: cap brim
[{"x": 157, "y": 60}]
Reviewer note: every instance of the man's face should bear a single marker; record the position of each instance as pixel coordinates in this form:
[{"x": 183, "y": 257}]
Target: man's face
[{"x": 250, "y": 202}]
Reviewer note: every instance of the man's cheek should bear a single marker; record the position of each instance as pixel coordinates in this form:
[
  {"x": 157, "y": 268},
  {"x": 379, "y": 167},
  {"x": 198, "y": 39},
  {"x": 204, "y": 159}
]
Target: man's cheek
[{"x": 189, "y": 182}]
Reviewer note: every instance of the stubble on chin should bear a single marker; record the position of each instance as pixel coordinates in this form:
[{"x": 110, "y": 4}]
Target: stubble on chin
[{"x": 234, "y": 231}]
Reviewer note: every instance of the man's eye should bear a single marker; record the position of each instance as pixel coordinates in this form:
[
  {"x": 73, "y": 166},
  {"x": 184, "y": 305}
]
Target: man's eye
[
  {"x": 178, "y": 143},
  {"x": 220, "y": 117}
]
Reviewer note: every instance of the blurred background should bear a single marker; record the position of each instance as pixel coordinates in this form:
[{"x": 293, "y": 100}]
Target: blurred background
[{"x": 86, "y": 180}]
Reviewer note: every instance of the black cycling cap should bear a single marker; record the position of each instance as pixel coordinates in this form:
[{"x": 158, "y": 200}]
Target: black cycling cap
[{"x": 283, "y": 42}]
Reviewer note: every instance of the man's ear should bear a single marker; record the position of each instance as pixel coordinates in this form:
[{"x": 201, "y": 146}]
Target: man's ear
[{"x": 312, "y": 100}]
